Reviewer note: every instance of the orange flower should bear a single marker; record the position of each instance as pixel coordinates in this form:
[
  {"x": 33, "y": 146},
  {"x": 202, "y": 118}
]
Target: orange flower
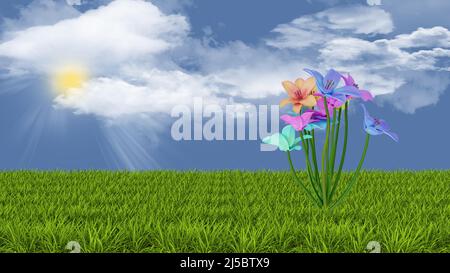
[{"x": 300, "y": 93}]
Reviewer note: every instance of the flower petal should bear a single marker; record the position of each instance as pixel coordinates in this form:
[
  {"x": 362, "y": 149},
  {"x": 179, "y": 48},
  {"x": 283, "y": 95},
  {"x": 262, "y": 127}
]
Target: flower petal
[
  {"x": 278, "y": 140},
  {"x": 307, "y": 116},
  {"x": 309, "y": 101},
  {"x": 349, "y": 80},
  {"x": 317, "y": 76},
  {"x": 368, "y": 120},
  {"x": 308, "y": 86},
  {"x": 332, "y": 79},
  {"x": 299, "y": 83},
  {"x": 338, "y": 96},
  {"x": 372, "y": 131},
  {"x": 290, "y": 88},
  {"x": 383, "y": 125},
  {"x": 366, "y": 95},
  {"x": 295, "y": 121},
  {"x": 316, "y": 125},
  {"x": 272, "y": 140},
  {"x": 283, "y": 144},
  {"x": 289, "y": 133},
  {"x": 392, "y": 135},
  {"x": 348, "y": 90},
  {"x": 296, "y": 148}
]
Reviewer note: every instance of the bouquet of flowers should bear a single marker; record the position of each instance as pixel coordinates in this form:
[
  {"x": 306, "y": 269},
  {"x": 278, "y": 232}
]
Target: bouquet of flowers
[{"x": 320, "y": 103}]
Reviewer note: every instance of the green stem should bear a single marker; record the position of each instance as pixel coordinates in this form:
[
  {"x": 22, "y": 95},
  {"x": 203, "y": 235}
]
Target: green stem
[
  {"x": 355, "y": 174},
  {"x": 300, "y": 182},
  {"x": 334, "y": 145},
  {"x": 344, "y": 151},
  {"x": 331, "y": 153},
  {"x": 314, "y": 156},
  {"x": 325, "y": 159},
  {"x": 308, "y": 166},
  {"x": 336, "y": 139}
]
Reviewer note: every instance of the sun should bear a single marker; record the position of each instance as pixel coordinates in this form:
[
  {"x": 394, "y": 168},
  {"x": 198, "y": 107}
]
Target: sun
[{"x": 69, "y": 78}]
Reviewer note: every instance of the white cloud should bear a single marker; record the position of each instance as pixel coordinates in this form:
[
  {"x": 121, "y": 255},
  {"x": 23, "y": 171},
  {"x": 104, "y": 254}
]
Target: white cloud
[
  {"x": 144, "y": 61},
  {"x": 129, "y": 47},
  {"x": 242, "y": 70},
  {"x": 423, "y": 37},
  {"x": 420, "y": 90},
  {"x": 385, "y": 53},
  {"x": 373, "y": 55},
  {"x": 123, "y": 31},
  {"x": 341, "y": 38},
  {"x": 320, "y": 27},
  {"x": 414, "y": 79},
  {"x": 156, "y": 92}
]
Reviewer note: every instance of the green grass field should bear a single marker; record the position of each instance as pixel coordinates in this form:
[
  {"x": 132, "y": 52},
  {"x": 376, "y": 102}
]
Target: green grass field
[{"x": 227, "y": 211}]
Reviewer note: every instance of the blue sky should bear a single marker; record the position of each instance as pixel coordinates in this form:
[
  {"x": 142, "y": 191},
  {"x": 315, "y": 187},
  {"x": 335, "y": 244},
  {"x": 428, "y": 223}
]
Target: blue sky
[{"x": 144, "y": 58}]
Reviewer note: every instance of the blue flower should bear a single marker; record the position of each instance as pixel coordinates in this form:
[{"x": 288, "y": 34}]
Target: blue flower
[
  {"x": 328, "y": 85},
  {"x": 375, "y": 126}
]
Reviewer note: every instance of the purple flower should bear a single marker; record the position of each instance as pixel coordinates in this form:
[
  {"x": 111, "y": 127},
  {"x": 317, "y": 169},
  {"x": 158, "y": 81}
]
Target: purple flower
[
  {"x": 318, "y": 120},
  {"x": 375, "y": 126},
  {"x": 331, "y": 103},
  {"x": 364, "y": 94},
  {"x": 328, "y": 85}
]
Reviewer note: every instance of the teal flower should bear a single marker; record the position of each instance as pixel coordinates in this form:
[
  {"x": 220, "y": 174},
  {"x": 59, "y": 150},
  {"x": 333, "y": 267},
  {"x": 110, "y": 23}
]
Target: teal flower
[{"x": 286, "y": 141}]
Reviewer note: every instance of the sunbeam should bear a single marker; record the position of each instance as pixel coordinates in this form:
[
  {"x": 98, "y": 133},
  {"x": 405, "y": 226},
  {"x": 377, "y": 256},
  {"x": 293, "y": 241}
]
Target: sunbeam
[{"x": 130, "y": 146}]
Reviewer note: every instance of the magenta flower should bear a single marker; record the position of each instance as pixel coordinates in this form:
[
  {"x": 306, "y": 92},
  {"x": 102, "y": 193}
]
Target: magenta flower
[
  {"x": 328, "y": 85},
  {"x": 375, "y": 126},
  {"x": 308, "y": 121},
  {"x": 299, "y": 122},
  {"x": 364, "y": 94}
]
